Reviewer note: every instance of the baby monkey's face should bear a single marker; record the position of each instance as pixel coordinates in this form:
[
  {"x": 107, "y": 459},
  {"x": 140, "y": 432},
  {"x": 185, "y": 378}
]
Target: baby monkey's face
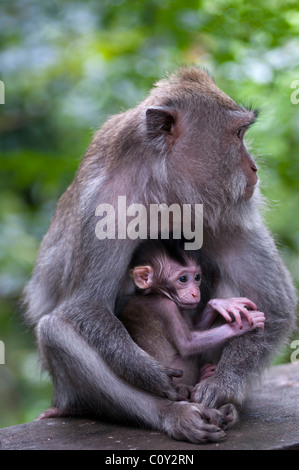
[
  {"x": 177, "y": 282},
  {"x": 186, "y": 281}
]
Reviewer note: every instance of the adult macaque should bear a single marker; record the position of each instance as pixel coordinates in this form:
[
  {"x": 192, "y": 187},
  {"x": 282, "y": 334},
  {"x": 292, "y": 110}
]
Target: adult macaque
[
  {"x": 183, "y": 144},
  {"x": 165, "y": 320}
]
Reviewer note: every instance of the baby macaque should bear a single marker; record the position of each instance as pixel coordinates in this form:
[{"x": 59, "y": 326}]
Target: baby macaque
[{"x": 163, "y": 317}]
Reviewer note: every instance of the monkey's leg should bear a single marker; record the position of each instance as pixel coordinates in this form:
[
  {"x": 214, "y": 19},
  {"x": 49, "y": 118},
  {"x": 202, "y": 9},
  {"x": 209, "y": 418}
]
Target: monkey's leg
[{"x": 83, "y": 380}]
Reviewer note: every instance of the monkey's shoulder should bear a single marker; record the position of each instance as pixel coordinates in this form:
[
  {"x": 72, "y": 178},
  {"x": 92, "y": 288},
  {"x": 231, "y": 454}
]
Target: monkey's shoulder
[{"x": 143, "y": 311}]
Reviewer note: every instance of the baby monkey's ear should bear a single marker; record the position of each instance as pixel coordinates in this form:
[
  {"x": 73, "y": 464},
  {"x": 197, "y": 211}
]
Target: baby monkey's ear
[{"x": 143, "y": 276}]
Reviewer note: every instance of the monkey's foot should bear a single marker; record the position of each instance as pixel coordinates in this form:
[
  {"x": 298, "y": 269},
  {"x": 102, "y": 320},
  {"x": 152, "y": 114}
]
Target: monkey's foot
[
  {"x": 54, "y": 412},
  {"x": 215, "y": 392},
  {"x": 229, "y": 415},
  {"x": 192, "y": 422},
  {"x": 206, "y": 371}
]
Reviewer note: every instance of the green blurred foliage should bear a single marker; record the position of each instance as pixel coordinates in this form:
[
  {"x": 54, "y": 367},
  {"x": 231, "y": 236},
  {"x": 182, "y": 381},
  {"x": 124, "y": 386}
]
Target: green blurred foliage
[{"x": 68, "y": 65}]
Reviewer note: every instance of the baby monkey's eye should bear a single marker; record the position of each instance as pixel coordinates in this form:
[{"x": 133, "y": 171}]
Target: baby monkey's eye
[
  {"x": 183, "y": 278},
  {"x": 197, "y": 277}
]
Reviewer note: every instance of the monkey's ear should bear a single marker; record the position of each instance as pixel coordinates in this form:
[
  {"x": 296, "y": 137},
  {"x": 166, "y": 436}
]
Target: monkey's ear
[
  {"x": 143, "y": 276},
  {"x": 161, "y": 122}
]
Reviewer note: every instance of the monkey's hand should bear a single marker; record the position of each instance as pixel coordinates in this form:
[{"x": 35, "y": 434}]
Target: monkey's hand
[
  {"x": 174, "y": 393},
  {"x": 233, "y": 308},
  {"x": 184, "y": 391},
  {"x": 156, "y": 378}
]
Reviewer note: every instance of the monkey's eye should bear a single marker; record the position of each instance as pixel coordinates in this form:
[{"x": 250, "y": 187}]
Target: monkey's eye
[
  {"x": 240, "y": 132},
  {"x": 183, "y": 279},
  {"x": 197, "y": 278}
]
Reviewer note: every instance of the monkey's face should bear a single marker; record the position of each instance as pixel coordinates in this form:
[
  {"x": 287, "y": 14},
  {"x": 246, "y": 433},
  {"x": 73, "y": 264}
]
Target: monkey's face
[
  {"x": 186, "y": 282},
  {"x": 241, "y": 166},
  {"x": 217, "y": 153}
]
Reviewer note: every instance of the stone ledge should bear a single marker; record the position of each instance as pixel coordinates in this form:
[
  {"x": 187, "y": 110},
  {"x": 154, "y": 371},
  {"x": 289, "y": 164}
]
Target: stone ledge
[{"x": 269, "y": 420}]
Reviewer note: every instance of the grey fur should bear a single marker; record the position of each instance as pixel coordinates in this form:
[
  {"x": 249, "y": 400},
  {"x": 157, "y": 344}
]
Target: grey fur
[{"x": 71, "y": 295}]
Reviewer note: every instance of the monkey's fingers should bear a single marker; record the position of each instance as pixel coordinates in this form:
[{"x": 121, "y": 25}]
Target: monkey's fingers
[
  {"x": 194, "y": 423},
  {"x": 173, "y": 372},
  {"x": 223, "y": 312},
  {"x": 247, "y": 314},
  {"x": 184, "y": 391},
  {"x": 258, "y": 314},
  {"x": 234, "y": 312},
  {"x": 260, "y": 325},
  {"x": 247, "y": 302},
  {"x": 259, "y": 320},
  {"x": 229, "y": 415}
]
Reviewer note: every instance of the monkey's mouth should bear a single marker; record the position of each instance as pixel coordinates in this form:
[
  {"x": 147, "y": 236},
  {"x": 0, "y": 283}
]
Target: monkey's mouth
[
  {"x": 252, "y": 186},
  {"x": 249, "y": 190}
]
